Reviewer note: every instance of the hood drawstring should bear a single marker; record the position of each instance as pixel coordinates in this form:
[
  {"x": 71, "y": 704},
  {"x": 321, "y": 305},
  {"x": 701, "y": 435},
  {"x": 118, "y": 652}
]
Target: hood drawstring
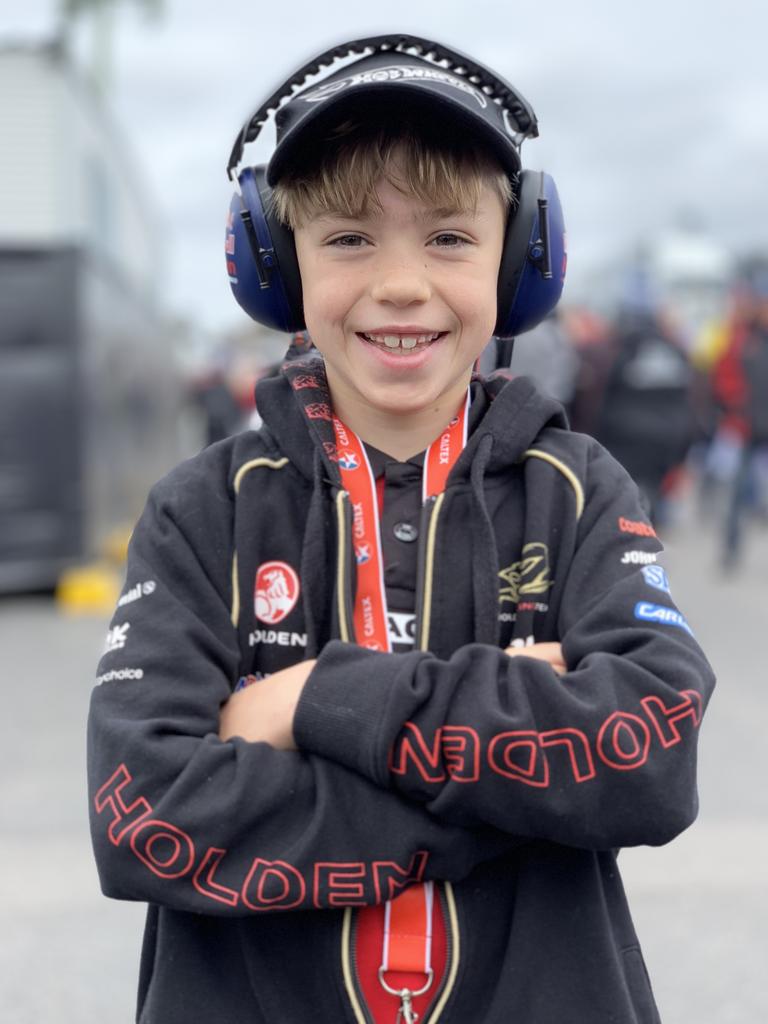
[
  {"x": 485, "y": 553},
  {"x": 315, "y": 568}
]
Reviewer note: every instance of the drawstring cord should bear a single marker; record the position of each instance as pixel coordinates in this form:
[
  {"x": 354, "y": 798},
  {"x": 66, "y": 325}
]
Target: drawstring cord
[
  {"x": 485, "y": 554},
  {"x": 314, "y": 559}
]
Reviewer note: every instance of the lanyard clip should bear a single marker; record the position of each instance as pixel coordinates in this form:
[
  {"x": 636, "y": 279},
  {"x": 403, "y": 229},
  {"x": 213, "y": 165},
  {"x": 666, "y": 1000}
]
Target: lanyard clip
[{"x": 406, "y": 1014}]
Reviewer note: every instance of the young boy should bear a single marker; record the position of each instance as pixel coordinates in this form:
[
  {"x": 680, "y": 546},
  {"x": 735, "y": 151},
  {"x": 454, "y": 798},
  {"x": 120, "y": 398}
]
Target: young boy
[{"x": 394, "y": 677}]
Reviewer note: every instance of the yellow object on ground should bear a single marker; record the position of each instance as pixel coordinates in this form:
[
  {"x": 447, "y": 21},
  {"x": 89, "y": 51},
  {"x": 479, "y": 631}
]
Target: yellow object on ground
[
  {"x": 90, "y": 589},
  {"x": 93, "y": 589}
]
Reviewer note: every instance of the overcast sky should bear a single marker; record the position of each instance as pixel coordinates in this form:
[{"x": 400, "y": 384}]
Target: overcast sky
[{"x": 646, "y": 110}]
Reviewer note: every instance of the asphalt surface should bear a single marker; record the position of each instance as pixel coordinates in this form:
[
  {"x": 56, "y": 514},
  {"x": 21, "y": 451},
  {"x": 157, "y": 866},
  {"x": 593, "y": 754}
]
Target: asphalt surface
[{"x": 69, "y": 956}]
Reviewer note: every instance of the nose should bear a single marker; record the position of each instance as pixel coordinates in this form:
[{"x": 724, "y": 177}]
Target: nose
[{"x": 401, "y": 283}]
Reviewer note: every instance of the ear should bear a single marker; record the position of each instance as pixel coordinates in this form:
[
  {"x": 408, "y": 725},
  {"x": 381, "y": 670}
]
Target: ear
[
  {"x": 261, "y": 257},
  {"x": 532, "y": 271}
]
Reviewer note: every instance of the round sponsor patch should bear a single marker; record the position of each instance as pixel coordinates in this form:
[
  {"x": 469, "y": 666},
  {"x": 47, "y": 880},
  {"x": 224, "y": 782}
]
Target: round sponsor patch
[{"x": 276, "y": 592}]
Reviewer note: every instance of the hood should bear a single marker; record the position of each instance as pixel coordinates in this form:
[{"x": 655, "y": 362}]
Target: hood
[
  {"x": 517, "y": 414},
  {"x": 297, "y": 402}
]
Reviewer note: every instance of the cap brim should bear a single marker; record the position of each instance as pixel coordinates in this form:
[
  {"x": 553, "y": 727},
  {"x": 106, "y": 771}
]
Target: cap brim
[{"x": 419, "y": 100}]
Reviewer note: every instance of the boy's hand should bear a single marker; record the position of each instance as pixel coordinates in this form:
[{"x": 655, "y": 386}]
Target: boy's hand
[
  {"x": 550, "y": 652},
  {"x": 263, "y": 712}
]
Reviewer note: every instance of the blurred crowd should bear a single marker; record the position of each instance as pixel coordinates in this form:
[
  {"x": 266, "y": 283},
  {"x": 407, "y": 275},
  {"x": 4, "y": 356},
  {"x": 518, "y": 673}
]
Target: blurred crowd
[
  {"x": 678, "y": 408},
  {"x": 682, "y": 409}
]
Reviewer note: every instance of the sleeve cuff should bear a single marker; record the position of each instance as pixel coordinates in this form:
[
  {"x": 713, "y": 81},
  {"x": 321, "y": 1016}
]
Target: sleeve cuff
[{"x": 342, "y": 711}]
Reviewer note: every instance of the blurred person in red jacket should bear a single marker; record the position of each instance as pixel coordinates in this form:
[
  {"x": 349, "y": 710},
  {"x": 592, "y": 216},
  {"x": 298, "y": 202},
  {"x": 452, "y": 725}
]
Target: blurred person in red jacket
[{"x": 740, "y": 389}]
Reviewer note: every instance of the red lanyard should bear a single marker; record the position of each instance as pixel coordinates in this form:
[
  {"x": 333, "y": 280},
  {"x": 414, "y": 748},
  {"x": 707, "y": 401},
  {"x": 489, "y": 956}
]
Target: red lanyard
[
  {"x": 443, "y": 453},
  {"x": 408, "y": 930},
  {"x": 407, "y": 940}
]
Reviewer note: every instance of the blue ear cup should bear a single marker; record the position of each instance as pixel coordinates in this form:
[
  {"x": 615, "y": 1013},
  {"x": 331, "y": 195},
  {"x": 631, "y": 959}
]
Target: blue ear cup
[
  {"x": 532, "y": 271},
  {"x": 261, "y": 257}
]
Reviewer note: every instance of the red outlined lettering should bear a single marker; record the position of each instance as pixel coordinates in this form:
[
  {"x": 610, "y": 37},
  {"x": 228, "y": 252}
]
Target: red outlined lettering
[
  {"x": 111, "y": 795},
  {"x": 174, "y": 841},
  {"x": 577, "y": 745},
  {"x": 503, "y": 751},
  {"x": 270, "y": 885},
  {"x": 460, "y": 747},
  {"x": 206, "y": 885},
  {"x": 623, "y": 741},
  {"x": 389, "y": 879},
  {"x": 665, "y": 719},
  {"x": 339, "y": 884},
  {"x": 266, "y": 875},
  {"x": 411, "y": 746},
  {"x": 455, "y": 753}
]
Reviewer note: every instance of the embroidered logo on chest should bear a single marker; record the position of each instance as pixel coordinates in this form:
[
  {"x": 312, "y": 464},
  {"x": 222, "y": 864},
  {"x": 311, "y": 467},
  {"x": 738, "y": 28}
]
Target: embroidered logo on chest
[
  {"x": 276, "y": 592},
  {"x": 528, "y": 577}
]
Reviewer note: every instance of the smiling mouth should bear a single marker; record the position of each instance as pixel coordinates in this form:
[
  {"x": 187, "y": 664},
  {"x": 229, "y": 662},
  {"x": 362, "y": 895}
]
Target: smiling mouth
[{"x": 402, "y": 342}]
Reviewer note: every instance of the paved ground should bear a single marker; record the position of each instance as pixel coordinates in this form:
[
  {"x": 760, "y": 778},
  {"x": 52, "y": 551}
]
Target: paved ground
[{"x": 68, "y": 956}]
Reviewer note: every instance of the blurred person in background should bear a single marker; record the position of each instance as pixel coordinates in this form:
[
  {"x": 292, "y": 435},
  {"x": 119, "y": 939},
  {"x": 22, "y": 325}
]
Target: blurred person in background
[
  {"x": 588, "y": 335},
  {"x": 634, "y": 393},
  {"x": 212, "y": 394},
  {"x": 739, "y": 453},
  {"x": 546, "y": 355}
]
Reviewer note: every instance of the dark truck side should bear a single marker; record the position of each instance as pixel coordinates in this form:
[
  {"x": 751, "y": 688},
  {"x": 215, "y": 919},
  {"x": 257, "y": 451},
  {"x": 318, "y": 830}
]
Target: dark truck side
[{"x": 88, "y": 409}]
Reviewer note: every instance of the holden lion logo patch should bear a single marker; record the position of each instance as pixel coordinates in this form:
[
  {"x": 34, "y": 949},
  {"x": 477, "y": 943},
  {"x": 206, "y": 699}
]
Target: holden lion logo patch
[
  {"x": 529, "y": 576},
  {"x": 276, "y": 592}
]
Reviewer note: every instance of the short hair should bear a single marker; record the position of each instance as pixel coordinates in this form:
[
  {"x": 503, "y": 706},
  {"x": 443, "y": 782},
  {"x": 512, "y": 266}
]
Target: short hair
[{"x": 445, "y": 169}]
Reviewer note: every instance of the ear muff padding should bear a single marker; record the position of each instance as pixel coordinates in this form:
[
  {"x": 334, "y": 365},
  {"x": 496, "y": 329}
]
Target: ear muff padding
[
  {"x": 532, "y": 271},
  {"x": 261, "y": 257}
]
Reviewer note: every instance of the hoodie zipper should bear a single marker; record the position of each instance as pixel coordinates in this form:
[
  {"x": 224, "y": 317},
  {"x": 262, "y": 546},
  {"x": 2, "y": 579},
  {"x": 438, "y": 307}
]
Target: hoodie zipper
[
  {"x": 344, "y": 566},
  {"x": 425, "y": 570},
  {"x": 425, "y": 578},
  {"x": 349, "y": 959}
]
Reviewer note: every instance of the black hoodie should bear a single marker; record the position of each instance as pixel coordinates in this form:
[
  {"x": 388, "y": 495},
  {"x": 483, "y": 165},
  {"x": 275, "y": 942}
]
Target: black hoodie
[{"x": 511, "y": 785}]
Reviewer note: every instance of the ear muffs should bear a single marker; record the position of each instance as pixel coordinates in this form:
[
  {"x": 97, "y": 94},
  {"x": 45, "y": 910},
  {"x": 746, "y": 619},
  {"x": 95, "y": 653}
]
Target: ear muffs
[
  {"x": 264, "y": 272},
  {"x": 532, "y": 271},
  {"x": 261, "y": 257}
]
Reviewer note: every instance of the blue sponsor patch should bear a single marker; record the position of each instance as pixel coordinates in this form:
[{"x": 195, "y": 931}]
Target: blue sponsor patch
[
  {"x": 655, "y": 577},
  {"x": 660, "y": 613}
]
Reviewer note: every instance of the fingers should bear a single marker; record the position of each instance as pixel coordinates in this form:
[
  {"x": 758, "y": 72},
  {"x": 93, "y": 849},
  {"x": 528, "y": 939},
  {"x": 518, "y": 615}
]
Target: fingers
[{"x": 552, "y": 653}]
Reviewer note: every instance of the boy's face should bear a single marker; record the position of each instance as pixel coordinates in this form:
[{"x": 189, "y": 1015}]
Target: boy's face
[{"x": 401, "y": 303}]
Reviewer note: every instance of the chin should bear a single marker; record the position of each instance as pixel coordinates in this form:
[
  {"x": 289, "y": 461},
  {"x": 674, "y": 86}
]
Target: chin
[{"x": 400, "y": 400}]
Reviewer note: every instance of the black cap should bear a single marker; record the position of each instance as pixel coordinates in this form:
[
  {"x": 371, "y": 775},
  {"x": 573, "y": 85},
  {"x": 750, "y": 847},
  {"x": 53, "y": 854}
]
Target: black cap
[{"x": 402, "y": 84}]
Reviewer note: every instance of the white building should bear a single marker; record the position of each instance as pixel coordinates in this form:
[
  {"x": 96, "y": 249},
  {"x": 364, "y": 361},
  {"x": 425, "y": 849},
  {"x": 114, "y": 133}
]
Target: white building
[{"x": 66, "y": 174}]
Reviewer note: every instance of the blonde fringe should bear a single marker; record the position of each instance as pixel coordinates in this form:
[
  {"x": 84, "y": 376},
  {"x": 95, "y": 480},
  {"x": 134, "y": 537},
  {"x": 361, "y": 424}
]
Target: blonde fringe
[{"x": 350, "y": 166}]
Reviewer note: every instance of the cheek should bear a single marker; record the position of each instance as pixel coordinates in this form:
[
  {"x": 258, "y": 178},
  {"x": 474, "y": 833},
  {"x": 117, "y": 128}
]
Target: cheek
[
  {"x": 324, "y": 306},
  {"x": 326, "y": 296},
  {"x": 475, "y": 300}
]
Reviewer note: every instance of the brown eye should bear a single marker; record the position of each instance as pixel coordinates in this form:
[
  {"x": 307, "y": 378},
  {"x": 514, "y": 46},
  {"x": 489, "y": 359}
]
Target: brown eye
[
  {"x": 348, "y": 241},
  {"x": 448, "y": 240}
]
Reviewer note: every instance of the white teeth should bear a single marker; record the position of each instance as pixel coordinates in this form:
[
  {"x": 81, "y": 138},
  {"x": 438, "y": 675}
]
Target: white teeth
[{"x": 408, "y": 342}]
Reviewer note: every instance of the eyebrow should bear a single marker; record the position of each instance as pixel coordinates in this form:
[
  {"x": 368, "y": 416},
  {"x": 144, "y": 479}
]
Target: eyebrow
[{"x": 429, "y": 214}]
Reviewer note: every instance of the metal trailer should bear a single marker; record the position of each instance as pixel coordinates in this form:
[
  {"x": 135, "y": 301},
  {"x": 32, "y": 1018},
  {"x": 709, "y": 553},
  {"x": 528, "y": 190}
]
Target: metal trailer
[
  {"x": 89, "y": 386},
  {"x": 89, "y": 402}
]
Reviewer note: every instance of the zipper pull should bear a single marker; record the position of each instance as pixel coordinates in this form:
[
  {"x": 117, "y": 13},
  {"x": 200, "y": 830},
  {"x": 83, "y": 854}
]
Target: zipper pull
[{"x": 406, "y": 1014}]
